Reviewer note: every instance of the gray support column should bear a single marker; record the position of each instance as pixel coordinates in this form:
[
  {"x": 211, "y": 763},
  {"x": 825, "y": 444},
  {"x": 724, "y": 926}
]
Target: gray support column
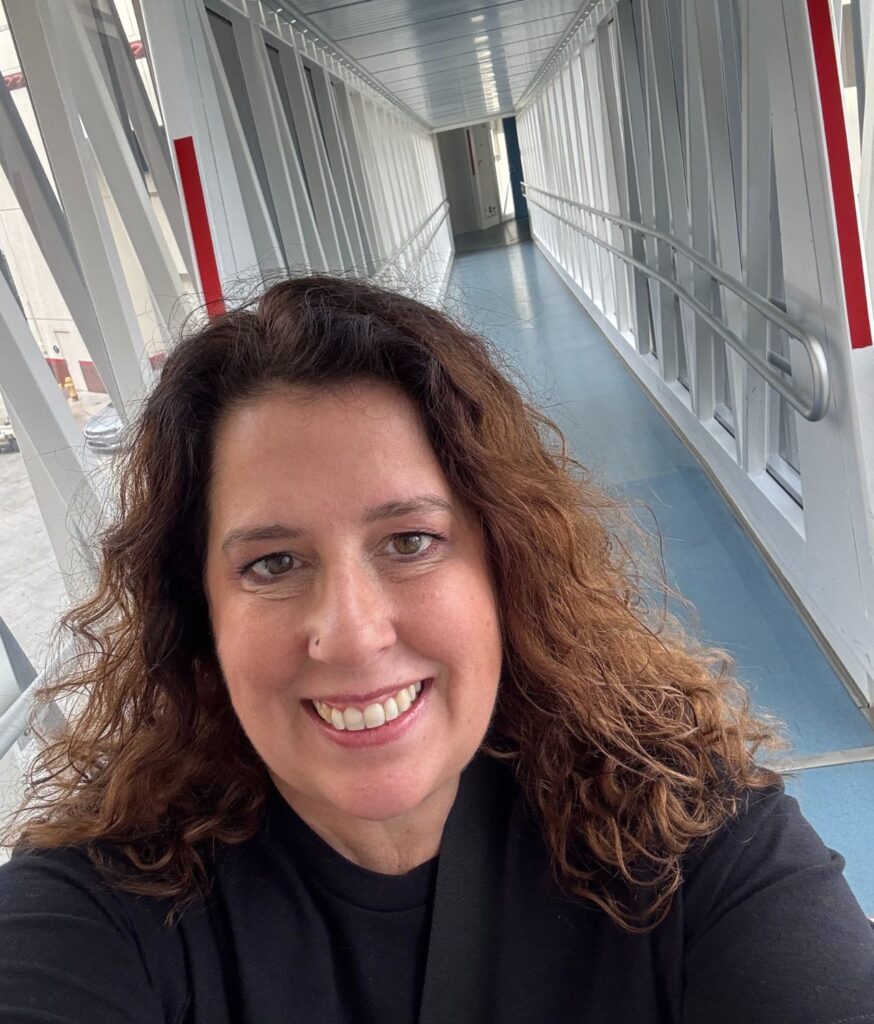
[
  {"x": 118, "y": 351},
  {"x": 639, "y": 293},
  {"x": 45, "y": 218},
  {"x": 715, "y": 103},
  {"x": 190, "y": 107},
  {"x": 591, "y": 101},
  {"x": 78, "y": 70},
  {"x": 587, "y": 266},
  {"x": 50, "y": 442},
  {"x": 669, "y": 175},
  {"x": 384, "y": 242},
  {"x": 701, "y": 354},
  {"x": 257, "y": 201},
  {"x": 641, "y": 159},
  {"x": 617, "y": 180},
  {"x": 312, "y": 153},
  {"x": 342, "y": 185},
  {"x": 359, "y": 183},
  {"x": 152, "y": 140},
  {"x": 286, "y": 187},
  {"x": 756, "y": 234}
]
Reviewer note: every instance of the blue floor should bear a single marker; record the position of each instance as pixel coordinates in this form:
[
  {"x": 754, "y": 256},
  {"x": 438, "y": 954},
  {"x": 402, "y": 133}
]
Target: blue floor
[{"x": 558, "y": 355}]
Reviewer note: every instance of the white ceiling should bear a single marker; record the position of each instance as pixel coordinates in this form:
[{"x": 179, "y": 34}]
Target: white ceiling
[{"x": 449, "y": 61}]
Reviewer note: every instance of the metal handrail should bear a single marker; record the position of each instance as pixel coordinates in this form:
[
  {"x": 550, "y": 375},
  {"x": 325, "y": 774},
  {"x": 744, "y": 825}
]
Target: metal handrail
[
  {"x": 13, "y": 721},
  {"x": 811, "y": 408},
  {"x": 411, "y": 238},
  {"x": 437, "y": 227}
]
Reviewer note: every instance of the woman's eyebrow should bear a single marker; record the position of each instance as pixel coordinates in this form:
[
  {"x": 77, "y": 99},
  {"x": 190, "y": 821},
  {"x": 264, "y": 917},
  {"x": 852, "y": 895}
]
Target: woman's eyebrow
[
  {"x": 387, "y": 510},
  {"x": 392, "y": 509},
  {"x": 275, "y": 531}
]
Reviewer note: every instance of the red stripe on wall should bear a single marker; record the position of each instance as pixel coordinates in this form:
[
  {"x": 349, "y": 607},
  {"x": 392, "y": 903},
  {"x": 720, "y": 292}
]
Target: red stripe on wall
[
  {"x": 843, "y": 192},
  {"x": 93, "y": 380},
  {"x": 59, "y": 368},
  {"x": 198, "y": 220}
]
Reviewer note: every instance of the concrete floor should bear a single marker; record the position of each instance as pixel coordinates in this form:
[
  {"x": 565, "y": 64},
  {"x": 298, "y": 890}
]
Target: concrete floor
[{"x": 32, "y": 592}]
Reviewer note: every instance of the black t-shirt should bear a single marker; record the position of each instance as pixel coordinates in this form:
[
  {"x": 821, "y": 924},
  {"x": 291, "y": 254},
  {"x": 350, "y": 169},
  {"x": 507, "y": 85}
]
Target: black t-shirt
[{"x": 764, "y": 930}]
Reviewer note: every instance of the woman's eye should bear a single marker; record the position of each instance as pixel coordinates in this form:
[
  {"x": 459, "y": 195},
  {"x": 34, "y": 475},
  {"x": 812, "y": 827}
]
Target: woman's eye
[
  {"x": 272, "y": 565},
  {"x": 411, "y": 543}
]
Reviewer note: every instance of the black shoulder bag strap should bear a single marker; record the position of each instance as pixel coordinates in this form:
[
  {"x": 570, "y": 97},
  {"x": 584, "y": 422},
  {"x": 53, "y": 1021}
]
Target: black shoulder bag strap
[{"x": 465, "y": 923}]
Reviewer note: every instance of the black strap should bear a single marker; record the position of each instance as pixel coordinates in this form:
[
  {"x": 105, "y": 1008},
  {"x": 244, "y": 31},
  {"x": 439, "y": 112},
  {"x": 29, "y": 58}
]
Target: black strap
[{"x": 465, "y": 922}]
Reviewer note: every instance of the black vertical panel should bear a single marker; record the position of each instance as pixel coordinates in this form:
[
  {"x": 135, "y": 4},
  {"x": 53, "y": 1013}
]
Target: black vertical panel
[
  {"x": 308, "y": 72},
  {"x": 514, "y": 158}
]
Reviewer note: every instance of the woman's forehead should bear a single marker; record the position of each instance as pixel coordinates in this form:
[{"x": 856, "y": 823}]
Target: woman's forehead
[{"x": 351, "y": 450}]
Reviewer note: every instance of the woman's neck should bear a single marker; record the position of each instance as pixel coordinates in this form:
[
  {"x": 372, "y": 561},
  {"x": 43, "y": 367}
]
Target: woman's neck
[{"x": 391, "y": 847}]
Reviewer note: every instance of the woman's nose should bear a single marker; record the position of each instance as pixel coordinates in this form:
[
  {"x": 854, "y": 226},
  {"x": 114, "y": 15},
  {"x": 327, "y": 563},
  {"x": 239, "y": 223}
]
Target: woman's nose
[{"x": 351, "y": 621}]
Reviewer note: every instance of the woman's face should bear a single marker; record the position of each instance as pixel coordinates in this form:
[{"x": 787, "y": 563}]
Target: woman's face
[{"x": 342, "y": 570}]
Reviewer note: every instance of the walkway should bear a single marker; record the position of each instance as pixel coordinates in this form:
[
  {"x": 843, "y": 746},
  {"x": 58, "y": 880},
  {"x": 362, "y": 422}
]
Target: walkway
[{"x": 513, "y": 296}]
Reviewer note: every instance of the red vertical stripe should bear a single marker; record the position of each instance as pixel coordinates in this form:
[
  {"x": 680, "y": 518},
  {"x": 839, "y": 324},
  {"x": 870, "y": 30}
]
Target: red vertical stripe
[
  {"x": 844, "y": 195},
  {"x": 192, "y": 189}
]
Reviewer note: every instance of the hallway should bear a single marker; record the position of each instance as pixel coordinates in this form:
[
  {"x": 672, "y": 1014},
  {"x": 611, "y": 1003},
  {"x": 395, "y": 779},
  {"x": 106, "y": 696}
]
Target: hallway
[{"x": 514, "y": 297}]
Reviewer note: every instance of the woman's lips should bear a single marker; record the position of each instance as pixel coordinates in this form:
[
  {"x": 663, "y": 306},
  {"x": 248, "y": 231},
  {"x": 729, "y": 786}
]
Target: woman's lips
[
  {"x": 379, "y": 735},
  {"x": 360, "y": 701}
]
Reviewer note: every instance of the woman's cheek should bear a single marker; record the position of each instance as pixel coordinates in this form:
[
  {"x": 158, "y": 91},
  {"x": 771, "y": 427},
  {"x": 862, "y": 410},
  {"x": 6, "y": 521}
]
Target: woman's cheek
[{"x": 255, "y": 650}]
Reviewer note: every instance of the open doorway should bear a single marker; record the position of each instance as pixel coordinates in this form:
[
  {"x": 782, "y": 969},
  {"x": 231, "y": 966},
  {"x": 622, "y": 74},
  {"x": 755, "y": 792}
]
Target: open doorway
[{"x": 482, "y": 171}]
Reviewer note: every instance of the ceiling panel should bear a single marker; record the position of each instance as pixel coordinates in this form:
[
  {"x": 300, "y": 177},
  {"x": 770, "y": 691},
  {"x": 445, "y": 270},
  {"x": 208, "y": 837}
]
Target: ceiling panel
[
  {"x": 428, "y": 72},
  {"x": 446, "y": 60}
]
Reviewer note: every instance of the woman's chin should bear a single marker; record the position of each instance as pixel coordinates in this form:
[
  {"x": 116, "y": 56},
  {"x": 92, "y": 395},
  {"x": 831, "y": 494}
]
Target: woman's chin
[{"x": 382, "y": 801}]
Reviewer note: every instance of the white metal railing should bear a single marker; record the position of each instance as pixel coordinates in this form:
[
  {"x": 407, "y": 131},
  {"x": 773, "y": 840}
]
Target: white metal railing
[
  {"x": 13, "y": 721},
  {"x": 812, "y": 407},
  {"x": 407, "y": 243}
]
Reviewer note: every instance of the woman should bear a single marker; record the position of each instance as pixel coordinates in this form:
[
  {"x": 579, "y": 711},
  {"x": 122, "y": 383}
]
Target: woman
[{"x": 373, "y": 726}]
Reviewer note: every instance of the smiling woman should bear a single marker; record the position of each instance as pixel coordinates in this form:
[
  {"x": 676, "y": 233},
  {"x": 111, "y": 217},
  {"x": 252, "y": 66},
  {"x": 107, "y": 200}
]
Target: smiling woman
[
  {"x": 374, "y": 724},
  {"x": 341, "y": 619}
]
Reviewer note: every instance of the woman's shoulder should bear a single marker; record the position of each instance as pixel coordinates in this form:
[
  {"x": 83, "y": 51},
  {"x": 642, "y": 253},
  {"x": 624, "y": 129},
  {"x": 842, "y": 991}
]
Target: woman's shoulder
[
  {"x": 770, "y": 921},
  {"x": 67, "y": 879},
  {"x": 765, "y": 839},
  {"x": 73, "y": 948}
]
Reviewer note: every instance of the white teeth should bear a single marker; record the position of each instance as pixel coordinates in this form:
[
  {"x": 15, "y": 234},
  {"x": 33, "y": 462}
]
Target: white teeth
[
  {"x": 354, "y": 719},
  {"x": 374, "y": 715}
]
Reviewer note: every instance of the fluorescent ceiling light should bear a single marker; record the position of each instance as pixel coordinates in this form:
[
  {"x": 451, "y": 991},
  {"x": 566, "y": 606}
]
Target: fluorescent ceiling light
[
  {"x": 480, "y": 39},
  {"x": 478, "y": 17},
  {"x": 483, "y": 54}
]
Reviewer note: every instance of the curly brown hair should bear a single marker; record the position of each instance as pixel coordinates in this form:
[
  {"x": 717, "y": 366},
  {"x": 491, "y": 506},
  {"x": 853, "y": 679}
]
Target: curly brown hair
[{"x": 630, "y": 740}]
